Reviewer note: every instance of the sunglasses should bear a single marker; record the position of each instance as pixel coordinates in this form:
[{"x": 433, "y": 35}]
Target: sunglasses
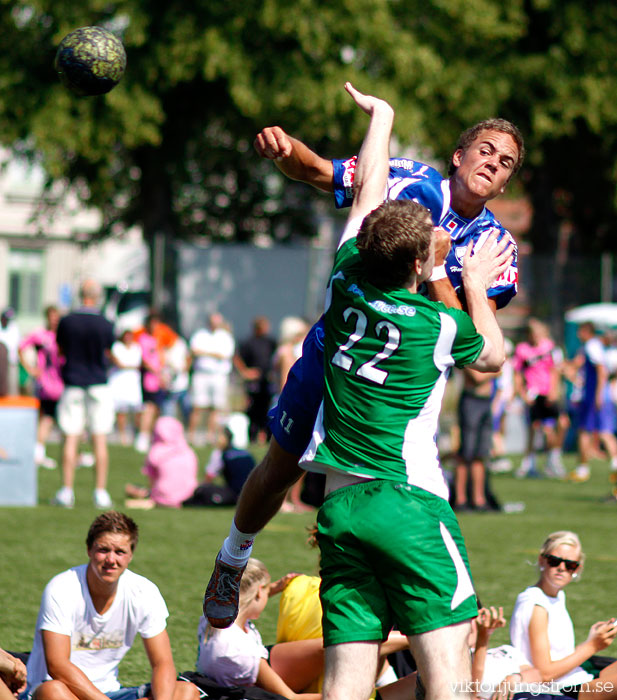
[{"x": 554, "y": 562}]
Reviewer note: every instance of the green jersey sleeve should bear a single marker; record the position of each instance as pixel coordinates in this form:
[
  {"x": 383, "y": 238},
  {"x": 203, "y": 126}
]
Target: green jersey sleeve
[{"x": 468, "y": 343}]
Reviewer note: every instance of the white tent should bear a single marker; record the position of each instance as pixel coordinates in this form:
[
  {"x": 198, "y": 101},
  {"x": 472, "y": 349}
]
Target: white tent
[{"x": 601, "y": 315}]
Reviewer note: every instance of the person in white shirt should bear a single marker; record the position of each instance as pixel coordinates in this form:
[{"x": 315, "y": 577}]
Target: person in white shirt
[
  {"x": 236, "y": 656},
  {"x": 9, "y": 336},
  {"x": 177, "y": 363},
  {"x": 88, "y": 619},
  {"x": 125, "y": 381},
  {"x": 541, "y": 627},
  {"x": 212, "y": 350}
]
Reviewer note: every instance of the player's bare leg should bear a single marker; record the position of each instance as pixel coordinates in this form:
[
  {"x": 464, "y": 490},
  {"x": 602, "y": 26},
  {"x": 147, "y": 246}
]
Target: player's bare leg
[
  {"x": 264, "y": 491},
  {"x": 350, "y": 671},
  {"x": 260, "y": 500},
  {"x": 444, "y": 661}
]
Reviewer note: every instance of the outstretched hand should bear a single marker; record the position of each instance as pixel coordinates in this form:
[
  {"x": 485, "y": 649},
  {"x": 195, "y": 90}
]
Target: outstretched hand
[
  {"x": 490, "y": 619},
  {"x": 486, "y": 264},
  {"x": 282, "y": 583},
  {"x": 367, "y": 103}
]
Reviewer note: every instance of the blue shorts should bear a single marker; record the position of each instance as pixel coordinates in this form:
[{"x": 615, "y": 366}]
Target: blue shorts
[
  {"x": 592, "y": 419},
  {"x": 140, "y": 691},
  {"x": 292, "y": 419}
]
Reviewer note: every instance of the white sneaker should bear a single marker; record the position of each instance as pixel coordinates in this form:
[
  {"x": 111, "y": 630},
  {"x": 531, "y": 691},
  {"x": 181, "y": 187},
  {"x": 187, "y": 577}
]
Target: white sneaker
[
  {"x": 142, "y": 443},
  {"x": 555, "y": 467},
  {"x": 500, "y": 466},
  {"x": 581, "y": 474},
  {"x": 64, "y": 498},
  {"x": 47, "y": 463},
  {"x": 85, "y": 459},
  {"x": 101, "y": 498},
  {"x": 527, "y": 468}
]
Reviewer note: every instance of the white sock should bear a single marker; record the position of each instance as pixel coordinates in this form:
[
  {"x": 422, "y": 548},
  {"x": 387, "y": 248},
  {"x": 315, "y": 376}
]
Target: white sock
[
  {"x": 237, "y": 546},
  {"x": 65, "y": 491},
  {"x": 614, "y": 464},
  {"x": 388, "y": 676},
  {"x": 39, "y": 452}
]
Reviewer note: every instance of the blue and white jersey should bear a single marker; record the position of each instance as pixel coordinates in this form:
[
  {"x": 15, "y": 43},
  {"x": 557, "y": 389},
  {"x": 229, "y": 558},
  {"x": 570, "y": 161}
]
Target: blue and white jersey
[
  {"x": 595, "y": 356},
  {"x": 410, "y": 179}
]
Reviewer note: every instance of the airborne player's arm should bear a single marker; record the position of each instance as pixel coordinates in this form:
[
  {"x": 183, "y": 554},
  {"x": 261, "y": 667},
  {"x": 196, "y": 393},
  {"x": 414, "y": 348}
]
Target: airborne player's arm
[
  {"x": 294, "y": 158},
  {"x": 439, "y": 286},
  {"x": 374, "y": 156},
  {"x": 298, "y": 162}
]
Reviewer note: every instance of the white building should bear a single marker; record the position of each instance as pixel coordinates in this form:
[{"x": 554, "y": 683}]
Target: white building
[{"x": 43, "y": 257}]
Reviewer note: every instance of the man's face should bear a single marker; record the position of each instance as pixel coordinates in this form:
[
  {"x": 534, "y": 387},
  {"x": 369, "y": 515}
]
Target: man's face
[
  {"x": 109, "y": 556},
  {"x": 487, "y": 165},
  {"x": 216, "y": 321},
  {"x": 262, "y": 327}
]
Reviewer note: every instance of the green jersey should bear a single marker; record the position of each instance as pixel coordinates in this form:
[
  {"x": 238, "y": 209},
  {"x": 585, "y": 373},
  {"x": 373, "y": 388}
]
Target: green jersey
[{"x": 387, "y": 357}]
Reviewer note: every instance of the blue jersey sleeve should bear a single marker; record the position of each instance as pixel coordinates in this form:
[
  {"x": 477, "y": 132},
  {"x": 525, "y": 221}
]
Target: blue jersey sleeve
[
  {"x": 505, "y": 287},
  {"x": 407, "y": 179}
]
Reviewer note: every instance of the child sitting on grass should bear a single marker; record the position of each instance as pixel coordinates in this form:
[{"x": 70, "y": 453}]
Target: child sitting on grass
[
  {"x": 236, "y": 656},
  {"x": 171, "y": 467}
]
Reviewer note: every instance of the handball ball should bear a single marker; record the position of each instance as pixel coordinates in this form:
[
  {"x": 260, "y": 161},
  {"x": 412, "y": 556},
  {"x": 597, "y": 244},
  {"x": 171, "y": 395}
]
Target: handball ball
[{"x": 90, "y": 61}]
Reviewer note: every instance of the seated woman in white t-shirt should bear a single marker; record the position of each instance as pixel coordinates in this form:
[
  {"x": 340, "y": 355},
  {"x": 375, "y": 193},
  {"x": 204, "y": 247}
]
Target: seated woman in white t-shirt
[
  {"x": 542, "y": 630},
  {"x": 236, "y": 656}
]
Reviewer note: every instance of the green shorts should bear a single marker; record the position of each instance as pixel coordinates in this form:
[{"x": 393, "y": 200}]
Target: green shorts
[{"x": 391, "y": 554}]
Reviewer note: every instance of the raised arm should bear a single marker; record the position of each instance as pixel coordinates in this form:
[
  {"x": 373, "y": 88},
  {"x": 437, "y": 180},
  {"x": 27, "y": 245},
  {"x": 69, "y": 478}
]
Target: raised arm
[
  {"x": 374, "y": 158},
  {"x": 488, "y": 620},
  {"x": 294, "y": 159}
]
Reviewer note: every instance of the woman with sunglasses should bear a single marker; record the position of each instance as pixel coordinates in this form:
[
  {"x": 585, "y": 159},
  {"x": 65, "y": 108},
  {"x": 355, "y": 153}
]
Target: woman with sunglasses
[{"x": 542, "y": 630}]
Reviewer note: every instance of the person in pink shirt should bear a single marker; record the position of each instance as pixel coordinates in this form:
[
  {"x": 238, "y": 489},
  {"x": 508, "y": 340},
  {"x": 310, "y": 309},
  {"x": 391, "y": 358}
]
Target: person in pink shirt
[
  {"x": 537, "y": 381},
  {"x": 171, "y": 466},
  {"x": 151, "y": 385},
  {"x": 48, "y": 381}
]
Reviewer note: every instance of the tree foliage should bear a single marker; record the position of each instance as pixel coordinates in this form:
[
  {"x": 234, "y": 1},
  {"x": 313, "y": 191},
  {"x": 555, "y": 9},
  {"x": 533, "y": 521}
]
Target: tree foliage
[{"x": 170, "y": 147}]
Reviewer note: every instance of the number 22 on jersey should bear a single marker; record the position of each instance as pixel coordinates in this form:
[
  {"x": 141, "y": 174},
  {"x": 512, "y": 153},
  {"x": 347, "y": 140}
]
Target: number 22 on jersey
[{"x": 382, "y": 330}]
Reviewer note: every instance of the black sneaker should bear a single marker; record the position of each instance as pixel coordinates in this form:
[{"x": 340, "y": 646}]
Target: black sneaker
[{"x": 222, "y": 595}]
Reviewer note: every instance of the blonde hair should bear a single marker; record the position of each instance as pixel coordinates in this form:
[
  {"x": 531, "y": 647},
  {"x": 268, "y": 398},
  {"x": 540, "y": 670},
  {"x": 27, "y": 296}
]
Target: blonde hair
[
  {"x": 256, "y": 574},
  {"x": 555, "y": 539},
  {"x": 292, "y": 328}
]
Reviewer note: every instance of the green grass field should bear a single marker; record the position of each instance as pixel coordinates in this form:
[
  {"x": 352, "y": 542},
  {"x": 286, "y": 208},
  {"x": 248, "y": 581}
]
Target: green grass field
[{"x": 177, "y": 548}]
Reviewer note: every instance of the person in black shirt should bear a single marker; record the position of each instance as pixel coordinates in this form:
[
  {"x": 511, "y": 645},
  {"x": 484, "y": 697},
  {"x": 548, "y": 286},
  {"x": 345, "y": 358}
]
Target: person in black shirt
[
  {"x": 253, "y": 361},
  {"x": 84, "y": 338}
]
